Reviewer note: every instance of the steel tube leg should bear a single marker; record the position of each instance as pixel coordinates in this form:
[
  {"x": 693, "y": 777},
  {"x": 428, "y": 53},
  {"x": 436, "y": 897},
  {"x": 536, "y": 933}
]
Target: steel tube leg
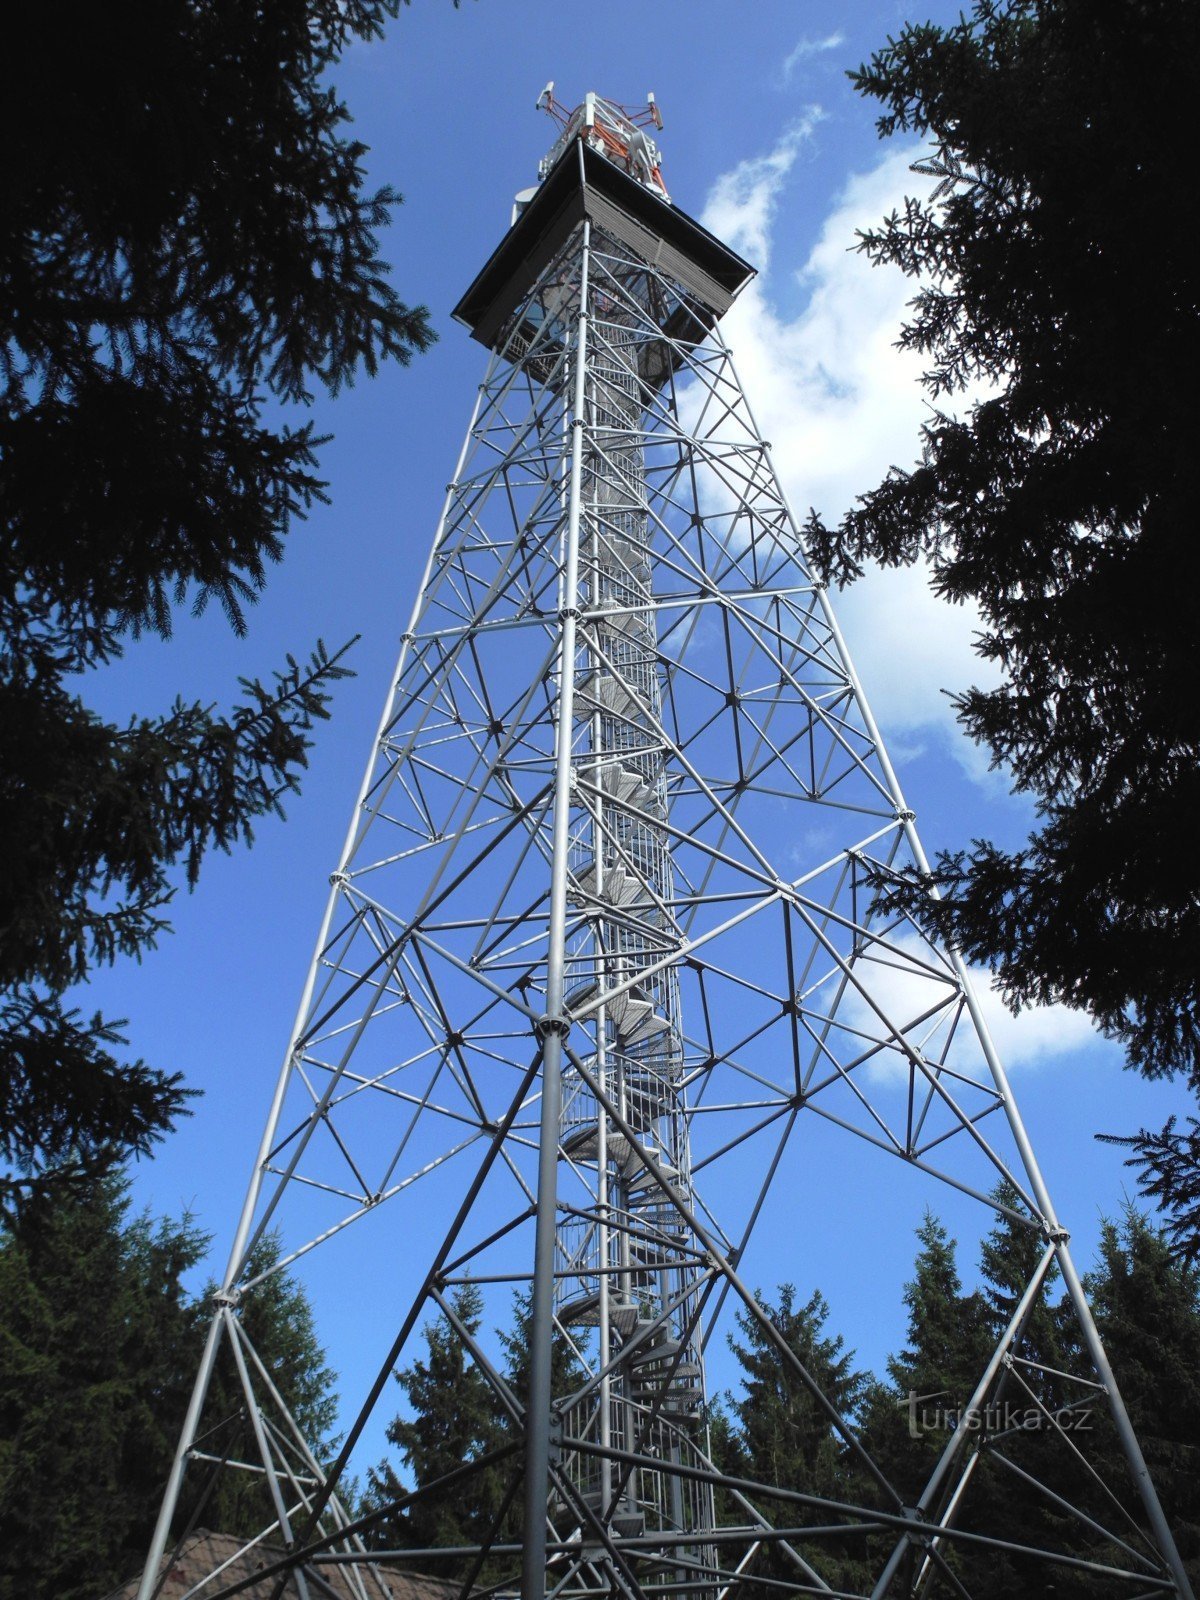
[
  {"x": 1125, "y": 1432},
  {"x": 170, "y": 1499},
  {"x": 1128, "y": 1438},
  {"x": 539, "y": 1418}
]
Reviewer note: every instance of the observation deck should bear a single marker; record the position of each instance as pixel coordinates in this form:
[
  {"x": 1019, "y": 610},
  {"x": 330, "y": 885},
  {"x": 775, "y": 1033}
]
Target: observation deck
[{"x": 585, "y": 182}]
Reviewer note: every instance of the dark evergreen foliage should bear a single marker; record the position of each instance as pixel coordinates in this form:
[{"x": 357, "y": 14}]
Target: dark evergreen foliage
[
  {"x": 771, "y": 1429},
  {"x": 1051, "y": 270},
  {"x": 1148, "y": 1311},
  {"x": 725, "y": 1457},
  {"x": 515, "y": 1341},
  {"x": 278, "y": 1322},
  {"x": 932, "y": 1378},
  {"x": 186, "y": 240},
  {"x": 778, "y": 1433},
  {"x": 98, "y": 1342},
  {"x": 1168, "y": 1168},
  {"x": 452, "y": 1417},
  {"x": 1016, "y": 1423},
  {"x": 952, "y": 1334},
  {"x": 1147, "y": 1304},
  {"x": 100, "y": 1339}
]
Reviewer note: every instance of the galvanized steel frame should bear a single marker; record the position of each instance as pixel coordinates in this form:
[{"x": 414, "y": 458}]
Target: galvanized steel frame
[{"x": 619, "y": 686}]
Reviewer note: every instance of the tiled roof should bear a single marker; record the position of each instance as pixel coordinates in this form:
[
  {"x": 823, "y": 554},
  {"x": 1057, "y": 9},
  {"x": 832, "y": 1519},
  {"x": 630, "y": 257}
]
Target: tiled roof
[{"x": 203, "y": 1552}]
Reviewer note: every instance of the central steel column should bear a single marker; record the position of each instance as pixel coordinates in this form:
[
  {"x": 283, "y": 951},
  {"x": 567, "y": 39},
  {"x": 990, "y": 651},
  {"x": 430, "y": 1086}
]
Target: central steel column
[{"x": 553, "y": 1027}]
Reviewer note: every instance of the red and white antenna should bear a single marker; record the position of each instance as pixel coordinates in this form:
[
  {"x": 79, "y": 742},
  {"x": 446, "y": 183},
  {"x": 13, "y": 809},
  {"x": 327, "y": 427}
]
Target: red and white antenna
[{"x": 618, "y": 132}]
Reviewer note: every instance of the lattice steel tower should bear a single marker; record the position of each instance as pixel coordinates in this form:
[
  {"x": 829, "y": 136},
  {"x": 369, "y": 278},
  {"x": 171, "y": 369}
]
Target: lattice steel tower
[{"x": 603, "y": 940}]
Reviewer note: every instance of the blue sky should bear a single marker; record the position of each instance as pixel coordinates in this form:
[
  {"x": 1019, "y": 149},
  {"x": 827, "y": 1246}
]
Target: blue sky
[{"x": 765, "y": 140}]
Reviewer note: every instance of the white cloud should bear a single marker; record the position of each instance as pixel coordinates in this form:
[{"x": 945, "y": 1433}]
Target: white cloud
[
  {"x": 741, "y": 206},
  {"x": 901, "y": 986},
  {"x": 1042, "y": 1033},
  {"x": 911, "y": 650},
  {"x": 841, "y": 405},
  {"x": 810, "y": 47}
]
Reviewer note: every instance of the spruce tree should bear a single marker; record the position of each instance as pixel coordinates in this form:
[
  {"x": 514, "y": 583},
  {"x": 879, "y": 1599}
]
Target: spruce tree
[
  {"x": 780, "y": 1434},
  {"x": 1147, "y": 1304},
  {"x": 279, "y": 1323},
  {"x": 908, "y": 1420},
  {"x": 98, "y": 1342},
  {"x": 566, "y": 1371},
  {"x": 1168, "y": 1168},
  {"x": 451, "y": 1419},
  {"x": 723, "y": 1451},
  {"x": 1061, "y": 499},
  {"x": 1008, "y": 1258},
  {"x": 1148, "y": 1308},
  {"x": 100, "y": 1337},
  {"x": 932, "y": 1378},
  {"x": 188, "y": 250},
  {"x": 1015, "y": 1424}
]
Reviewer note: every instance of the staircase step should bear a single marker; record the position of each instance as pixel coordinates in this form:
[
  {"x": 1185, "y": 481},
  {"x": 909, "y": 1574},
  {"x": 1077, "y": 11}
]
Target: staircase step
[
  {"x": 625, "y": 785},
  {"x": 619, "y": 889},
  {"x": 638, "y": 1174},
  {"x": 661, "y": 1350},
  {"x": 583, "y": 1311},
  {"x": 626, "y": 1521},
  {"x": 635, "y": 1019},
  {"x": 582, "y": 1143},
  {"x": 603, "y": 691}
]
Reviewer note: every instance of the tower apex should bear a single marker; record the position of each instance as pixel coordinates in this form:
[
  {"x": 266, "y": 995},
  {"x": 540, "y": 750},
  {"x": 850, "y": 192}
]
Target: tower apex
[
  {"x": 604, "y": 169},
  {"x": 617, "y": 132}
]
